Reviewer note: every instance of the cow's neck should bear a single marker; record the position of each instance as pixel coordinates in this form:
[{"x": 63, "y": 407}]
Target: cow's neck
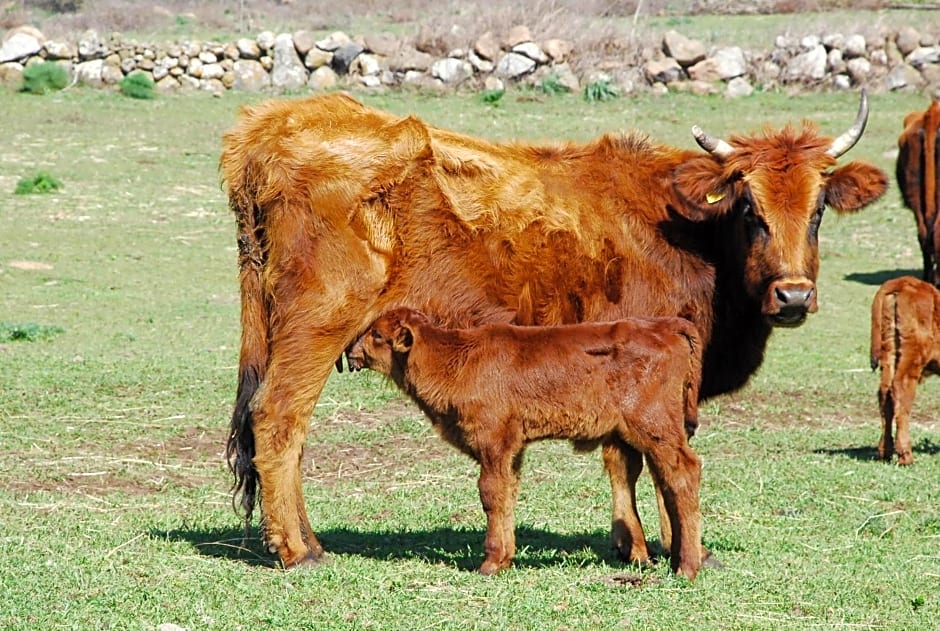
[{"x": 738, "y": 333}]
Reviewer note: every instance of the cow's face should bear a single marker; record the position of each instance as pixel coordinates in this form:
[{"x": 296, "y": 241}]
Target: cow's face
[{"x": 772, "y": 190}]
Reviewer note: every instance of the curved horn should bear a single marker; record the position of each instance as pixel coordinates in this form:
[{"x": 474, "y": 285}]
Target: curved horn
[
  {"x": 715, "y": 146},
  {"x": 848, "y": 139}
]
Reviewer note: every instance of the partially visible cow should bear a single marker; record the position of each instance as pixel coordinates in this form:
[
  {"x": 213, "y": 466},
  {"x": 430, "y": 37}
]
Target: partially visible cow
[
  {"x": 631, "y": 386},
  {"x": 905, "y": 344},
  {"x": 345, "y": 211},
  {"x": 918, "y": 159}
]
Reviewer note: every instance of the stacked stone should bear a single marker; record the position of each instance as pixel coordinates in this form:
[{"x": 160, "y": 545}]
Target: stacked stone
[{"x": 287, "y": 62}]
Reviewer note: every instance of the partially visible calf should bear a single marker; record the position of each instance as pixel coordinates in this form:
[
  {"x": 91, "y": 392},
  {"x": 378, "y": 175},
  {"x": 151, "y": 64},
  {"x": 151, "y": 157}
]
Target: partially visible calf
[
  {"x": 630, "y": 386},
  {"x": 905, "y": 343}
]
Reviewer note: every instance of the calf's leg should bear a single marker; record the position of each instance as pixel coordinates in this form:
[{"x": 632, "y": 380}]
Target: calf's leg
[
  {"x": 624, "y": 465},
  {"x": 677, "y": 472},
  {"x": 498, "y": 485},
  {"x": 902, "y": 392},
  {"x": 886, "y": 406}
]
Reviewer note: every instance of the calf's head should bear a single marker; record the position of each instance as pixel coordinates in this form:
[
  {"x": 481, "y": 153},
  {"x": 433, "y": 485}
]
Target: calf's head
[
  {"x": 772, "y": 190},
  {"x": 386, "y": 343}
]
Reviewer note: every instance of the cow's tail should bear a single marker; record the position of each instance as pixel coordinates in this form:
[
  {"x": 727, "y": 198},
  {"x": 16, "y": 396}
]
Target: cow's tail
[
  {"x": 253, "y": 357},
  {"x": 693, "y": 381}
]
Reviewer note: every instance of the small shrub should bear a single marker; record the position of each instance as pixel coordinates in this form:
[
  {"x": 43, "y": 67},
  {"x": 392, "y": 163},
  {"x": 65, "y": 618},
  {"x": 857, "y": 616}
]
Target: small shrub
[
  {"x": 137, "y": 85},
  {"x": 552, "y": 85},
  {"x": 42, "y": 182},
  {"x": 30, "y": 332},
  {"x": 599, "y": 90},
  {"x": 44, "y": 77},
  {"x": 492, "y": 97}
]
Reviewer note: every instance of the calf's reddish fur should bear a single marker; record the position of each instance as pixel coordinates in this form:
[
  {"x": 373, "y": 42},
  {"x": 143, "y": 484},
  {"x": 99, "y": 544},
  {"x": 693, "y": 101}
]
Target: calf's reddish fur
[
  {"x": 630, "y": 386},
  {"x": 905, "y": 344}
]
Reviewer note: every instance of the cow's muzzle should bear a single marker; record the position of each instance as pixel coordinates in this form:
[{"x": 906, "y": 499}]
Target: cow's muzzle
[{"x": 789, "y": 301}]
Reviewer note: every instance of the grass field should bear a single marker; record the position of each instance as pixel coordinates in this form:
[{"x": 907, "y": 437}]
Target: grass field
[{"x": 114, "y": 504}]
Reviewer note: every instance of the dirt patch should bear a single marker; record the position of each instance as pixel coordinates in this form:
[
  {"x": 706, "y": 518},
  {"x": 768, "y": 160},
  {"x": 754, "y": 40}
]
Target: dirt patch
[
  {"x": 141, "y": 467},
  {"x": 328, "y": 462}
]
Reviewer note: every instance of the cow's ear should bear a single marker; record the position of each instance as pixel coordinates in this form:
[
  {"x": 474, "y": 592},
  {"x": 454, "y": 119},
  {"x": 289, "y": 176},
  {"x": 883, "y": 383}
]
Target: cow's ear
[
  {"x": 854, "y": 185},
  {"x": 402, "y": 339},
  {"x": 703, "y": 188}
]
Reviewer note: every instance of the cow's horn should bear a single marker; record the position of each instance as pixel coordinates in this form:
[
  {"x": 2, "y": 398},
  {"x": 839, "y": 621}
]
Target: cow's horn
[
  {"x": 847, "y": 140},
  {"x": 715, "y": 146}
]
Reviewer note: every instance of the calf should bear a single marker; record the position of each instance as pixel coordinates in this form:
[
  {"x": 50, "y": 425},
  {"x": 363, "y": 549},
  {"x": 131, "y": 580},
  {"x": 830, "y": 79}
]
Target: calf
[
  {"x": 630, "y": 386},
  {"x": 905, "y": 343}
]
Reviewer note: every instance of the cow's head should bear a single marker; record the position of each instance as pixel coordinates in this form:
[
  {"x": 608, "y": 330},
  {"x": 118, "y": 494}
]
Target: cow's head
[
  {"x": 386, "y": 343},
  {"x": 772, "y": 189}
]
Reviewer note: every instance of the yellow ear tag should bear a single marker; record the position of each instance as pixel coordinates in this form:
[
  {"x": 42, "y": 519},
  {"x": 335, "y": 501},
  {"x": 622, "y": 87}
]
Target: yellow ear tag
[{"x": 712, "y": 198}]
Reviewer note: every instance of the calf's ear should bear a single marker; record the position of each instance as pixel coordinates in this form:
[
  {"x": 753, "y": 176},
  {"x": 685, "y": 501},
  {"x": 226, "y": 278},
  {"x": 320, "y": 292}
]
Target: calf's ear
[
  {"x": 855, "y": 185},
  {"x": 703, "y": 189},
  {"x": 402, "y": 338}
]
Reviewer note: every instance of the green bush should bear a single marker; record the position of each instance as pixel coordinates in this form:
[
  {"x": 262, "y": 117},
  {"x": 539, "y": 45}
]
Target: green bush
[
  {"x": 552, "y": 85},
  {"x": 42, "y": 182},
  {"x": 44, "y": 77},
  {"x": 492, "y": 97},
  {"x": 138, "y": 85},
  {"x": 30, "y": 332},
  {"x": 599, "y": 90}
]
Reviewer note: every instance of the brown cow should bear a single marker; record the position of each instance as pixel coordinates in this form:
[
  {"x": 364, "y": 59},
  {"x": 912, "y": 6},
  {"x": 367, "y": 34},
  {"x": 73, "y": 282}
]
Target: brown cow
[
  {"x": 345, "y": 211},
  {"x": 630, "y": 385},
  {"x": 916, "y": 170},
  {"x": 905, "y": 344}
]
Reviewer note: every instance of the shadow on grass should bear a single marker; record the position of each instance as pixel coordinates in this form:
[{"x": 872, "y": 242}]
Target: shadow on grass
[
  {"x": 924, "y": 446},
  {"x": 879, "y": 277},
  {"x": 458, "y": 548}
]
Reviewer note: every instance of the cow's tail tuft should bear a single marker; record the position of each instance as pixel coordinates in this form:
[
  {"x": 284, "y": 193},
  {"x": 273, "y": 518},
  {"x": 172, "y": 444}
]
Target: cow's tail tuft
[{"x": 253, "y": 357}]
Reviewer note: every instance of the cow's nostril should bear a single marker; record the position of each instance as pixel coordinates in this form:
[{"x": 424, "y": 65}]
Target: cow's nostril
[{"x": 793, "y": 296}]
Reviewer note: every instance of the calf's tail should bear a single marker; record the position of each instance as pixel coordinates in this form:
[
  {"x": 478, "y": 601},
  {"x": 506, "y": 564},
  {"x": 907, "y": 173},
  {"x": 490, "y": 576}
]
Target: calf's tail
[
  {"x": 884, "y": 334},
  {"x": 693, "y": 381}
]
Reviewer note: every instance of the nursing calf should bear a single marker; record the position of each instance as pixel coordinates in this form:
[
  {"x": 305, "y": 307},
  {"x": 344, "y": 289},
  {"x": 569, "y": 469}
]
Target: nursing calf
[
  {"x": 905, "y": 344},
  {"x": 630, "y": 386}
]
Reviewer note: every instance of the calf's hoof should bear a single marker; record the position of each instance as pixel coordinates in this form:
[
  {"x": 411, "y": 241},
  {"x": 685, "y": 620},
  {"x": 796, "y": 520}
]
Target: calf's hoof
[
  {"x": 489, "y": 568},
  {"x": 309, "y": 560},
  {"x": 905, "y": 459},
  {"x": 633, "y": 554}
]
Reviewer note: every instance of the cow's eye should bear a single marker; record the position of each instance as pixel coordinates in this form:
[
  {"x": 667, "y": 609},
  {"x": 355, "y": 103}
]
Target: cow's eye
[
  {"x": 816, "y": 221},
  {"x": 376, "y": 336}
]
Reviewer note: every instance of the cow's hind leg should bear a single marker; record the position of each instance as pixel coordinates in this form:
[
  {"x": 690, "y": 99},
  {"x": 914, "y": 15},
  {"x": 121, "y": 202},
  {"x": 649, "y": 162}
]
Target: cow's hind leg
[
  {"x": 299, "y": 366},
  {"x": 624, "y": 465}
]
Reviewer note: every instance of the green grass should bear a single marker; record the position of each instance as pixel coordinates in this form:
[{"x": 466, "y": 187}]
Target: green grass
[
  {"x": 40, "y": 183},
  {"x": 114, "y": 505}
]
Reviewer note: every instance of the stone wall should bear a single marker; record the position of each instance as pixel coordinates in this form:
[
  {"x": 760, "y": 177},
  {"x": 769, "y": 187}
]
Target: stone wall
[{"x": 904, "y": 59}]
